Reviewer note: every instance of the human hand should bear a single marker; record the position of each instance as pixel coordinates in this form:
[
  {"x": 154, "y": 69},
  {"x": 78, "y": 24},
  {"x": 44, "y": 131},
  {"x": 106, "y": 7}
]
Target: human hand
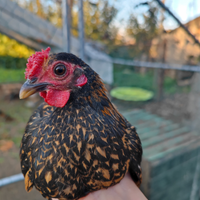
[{"x": 125, "y": 189}]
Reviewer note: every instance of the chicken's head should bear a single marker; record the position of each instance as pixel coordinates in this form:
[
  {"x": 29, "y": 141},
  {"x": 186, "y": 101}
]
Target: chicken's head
[{"x": 53, "y": 76}]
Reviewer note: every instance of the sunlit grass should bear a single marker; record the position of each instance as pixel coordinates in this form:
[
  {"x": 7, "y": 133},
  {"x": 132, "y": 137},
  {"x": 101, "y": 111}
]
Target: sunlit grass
[
  {"x": 11, "y": 75},
  {"x": 128, "y": 77}
]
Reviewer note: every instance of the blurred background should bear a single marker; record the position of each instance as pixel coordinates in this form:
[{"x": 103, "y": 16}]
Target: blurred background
[{"x": 148, "y": 55}]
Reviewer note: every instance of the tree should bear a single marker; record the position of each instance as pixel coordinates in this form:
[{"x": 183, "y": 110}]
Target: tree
[
  {"x": 98, "y": 19},
  {"x": 143, "y": 32}
]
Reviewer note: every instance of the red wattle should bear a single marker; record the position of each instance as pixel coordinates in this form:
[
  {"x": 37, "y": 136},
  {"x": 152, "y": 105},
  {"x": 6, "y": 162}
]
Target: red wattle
[
  {"x": 57, "y": 98},
  {"x": 43, "y": 94}
]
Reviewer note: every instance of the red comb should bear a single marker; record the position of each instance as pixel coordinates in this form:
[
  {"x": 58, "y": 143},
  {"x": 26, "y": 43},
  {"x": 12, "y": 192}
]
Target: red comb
[{"x": 35, "y": 62}]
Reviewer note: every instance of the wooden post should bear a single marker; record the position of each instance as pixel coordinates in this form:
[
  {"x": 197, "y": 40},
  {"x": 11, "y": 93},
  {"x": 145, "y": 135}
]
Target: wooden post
[
  {"x": 66, "y": 17},
  {"x": 159, "y": 73},
  {"x": 161, "y": 76},
  {"x": 81, "y": 29},
  {"x": 194, "y": 103}
]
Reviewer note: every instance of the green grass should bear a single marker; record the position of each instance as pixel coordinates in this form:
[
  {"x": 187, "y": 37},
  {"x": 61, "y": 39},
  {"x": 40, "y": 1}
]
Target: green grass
[
  {"x": 11, "y": 75},
  {"x": 125, "y": 76}
]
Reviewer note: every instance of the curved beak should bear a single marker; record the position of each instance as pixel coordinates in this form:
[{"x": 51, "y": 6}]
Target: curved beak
[{"x": 29, "y": 88}]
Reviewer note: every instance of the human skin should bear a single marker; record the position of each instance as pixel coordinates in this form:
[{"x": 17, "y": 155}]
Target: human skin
[{"x": 125, "y": 189}]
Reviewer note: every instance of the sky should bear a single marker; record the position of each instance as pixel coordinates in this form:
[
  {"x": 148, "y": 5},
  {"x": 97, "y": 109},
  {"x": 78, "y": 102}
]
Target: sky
[{"x": 185, "y": 10}]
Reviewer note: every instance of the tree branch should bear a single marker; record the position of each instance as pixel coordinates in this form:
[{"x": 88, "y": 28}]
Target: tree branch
[{"x": 179, "y": 22}]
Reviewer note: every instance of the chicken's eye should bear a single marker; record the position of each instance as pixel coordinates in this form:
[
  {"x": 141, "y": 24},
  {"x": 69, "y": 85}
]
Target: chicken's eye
[{"x": 60, "y": 70}]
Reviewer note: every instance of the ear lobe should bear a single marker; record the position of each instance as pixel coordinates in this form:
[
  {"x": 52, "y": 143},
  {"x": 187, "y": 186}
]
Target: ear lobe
[{"x": 81, "y": 81}]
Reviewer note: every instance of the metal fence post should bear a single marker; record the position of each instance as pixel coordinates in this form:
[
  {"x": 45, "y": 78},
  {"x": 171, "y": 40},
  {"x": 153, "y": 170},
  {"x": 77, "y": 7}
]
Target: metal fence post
[
  {"x": 81, "y": 29},
  {"x": 66, "y": 25}
]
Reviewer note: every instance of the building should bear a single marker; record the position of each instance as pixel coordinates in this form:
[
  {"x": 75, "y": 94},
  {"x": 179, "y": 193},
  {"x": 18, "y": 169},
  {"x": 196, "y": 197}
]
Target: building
[{"x": 176, "y": 46}]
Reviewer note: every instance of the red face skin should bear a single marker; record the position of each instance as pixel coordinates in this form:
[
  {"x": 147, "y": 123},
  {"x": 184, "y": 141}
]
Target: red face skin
[
  {"x": 57, "y": 93},
  {"x": 54, "y": 87}
]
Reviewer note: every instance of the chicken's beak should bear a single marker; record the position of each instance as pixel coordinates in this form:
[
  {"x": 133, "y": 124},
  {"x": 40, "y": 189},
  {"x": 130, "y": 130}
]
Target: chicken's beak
[{"x": 29, "y": 88}]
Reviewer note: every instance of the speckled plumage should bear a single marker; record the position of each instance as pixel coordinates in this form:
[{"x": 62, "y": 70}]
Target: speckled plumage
[{"x": 85, "y": 146}]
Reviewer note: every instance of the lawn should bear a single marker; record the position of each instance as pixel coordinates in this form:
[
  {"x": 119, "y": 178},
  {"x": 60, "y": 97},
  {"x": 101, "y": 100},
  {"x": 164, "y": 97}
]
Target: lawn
[
  {"x": 11, "y": 75},
  {"x": 127, "y": 76}
]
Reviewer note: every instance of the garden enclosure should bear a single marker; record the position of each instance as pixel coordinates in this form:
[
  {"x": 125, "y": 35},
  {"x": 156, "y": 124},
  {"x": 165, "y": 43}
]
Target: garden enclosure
[{"x": 165, "y": 62}]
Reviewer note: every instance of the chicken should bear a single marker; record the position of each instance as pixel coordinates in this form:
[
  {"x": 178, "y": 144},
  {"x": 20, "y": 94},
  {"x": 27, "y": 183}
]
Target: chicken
[{"x": 76, "y": 141}]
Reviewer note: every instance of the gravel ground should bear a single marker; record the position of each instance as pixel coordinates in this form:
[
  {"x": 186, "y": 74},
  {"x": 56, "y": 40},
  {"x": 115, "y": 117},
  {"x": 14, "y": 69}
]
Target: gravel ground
[{"x": 172, "y": 107}]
